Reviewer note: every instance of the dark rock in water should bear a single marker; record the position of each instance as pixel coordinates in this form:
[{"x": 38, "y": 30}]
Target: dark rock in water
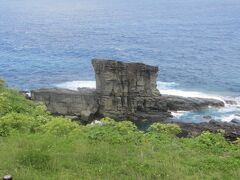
[
  {"x": 207, "y": 117},
  {"x": 235, "y": 121},
  {"x": 231, "y": 102},
  {"x": 123, "y": 91},
  {"x": 177, "y": 103}
]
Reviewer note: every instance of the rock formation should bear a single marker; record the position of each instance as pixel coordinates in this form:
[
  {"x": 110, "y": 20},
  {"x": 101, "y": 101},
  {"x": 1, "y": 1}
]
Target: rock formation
[
  {"x": 81, "y": 103},
  {"x": 177, "y": 103},
  {"x": 123, "y": 91},
  {"x": 126, "y": 90},
  {"x": 231, "y": 131}
]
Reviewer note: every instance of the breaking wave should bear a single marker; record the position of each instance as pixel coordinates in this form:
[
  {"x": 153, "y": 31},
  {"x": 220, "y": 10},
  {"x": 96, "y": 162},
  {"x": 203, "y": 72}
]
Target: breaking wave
[
  {"x": 228, "y": 113},
  {"x": 74, "y": 85}
]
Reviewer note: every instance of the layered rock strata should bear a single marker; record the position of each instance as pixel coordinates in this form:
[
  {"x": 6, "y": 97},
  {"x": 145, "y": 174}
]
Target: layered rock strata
[
  {"x": 123, "y": 91},
  {"x": 128, "y": 89},
  {"x": 81, "y": 103}
]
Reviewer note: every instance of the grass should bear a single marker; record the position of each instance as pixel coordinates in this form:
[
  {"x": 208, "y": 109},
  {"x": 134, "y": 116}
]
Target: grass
[
  {"x": 28, "y": 156},
  {"x": 35, "y": 145}
]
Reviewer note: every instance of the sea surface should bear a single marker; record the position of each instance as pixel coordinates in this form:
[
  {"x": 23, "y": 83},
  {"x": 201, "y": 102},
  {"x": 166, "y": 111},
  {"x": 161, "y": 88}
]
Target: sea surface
[{"x": 195, "y": 44}]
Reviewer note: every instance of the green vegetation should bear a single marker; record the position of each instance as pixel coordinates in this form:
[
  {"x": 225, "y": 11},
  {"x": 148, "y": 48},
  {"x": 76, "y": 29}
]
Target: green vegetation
[{"x": 36, "y": 145}]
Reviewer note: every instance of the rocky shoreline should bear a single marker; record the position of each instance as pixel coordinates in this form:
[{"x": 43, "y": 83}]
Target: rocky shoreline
[{"x": 129, "y": 91}]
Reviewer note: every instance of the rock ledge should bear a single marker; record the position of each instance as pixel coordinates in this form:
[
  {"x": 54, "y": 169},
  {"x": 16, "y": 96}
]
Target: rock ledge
[{"x": 123, "y": 91}]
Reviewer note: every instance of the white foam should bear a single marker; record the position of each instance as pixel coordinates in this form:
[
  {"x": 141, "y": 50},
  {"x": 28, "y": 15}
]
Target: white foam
[
  {"x": 228, "y": 113},
  {"x": 190, "y": 94},
  {"x": 164, "y": 87},
  {"x": 74, "y": 85},
  {"x": 229, "y": 118},
  {"x": 178, "y": 114},
  {"x": 228, "y": 109}
]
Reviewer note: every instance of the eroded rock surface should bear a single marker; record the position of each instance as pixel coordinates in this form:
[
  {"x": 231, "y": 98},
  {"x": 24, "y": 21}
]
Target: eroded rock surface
[
  {"x": 81, "y": 103},
  {"x": 123, "y": 91},
  {"x": 126, "y": 89},
  {"x": 177, "y": 103},
  {"x": 231, "y": 131}
]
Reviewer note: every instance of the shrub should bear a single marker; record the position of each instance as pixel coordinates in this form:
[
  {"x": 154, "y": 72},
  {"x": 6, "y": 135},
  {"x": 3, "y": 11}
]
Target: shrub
[
  {"x": 113, "y": 132},
  {"x": 126, "y": 127},
  {"x": 40, "y": 109},
  {"x": 11, "y": 101},
  {"x": 208, "y": 139},
  {"x": 59, "y": 126},
  {"x": 108, "y": 120},
  {"x": 167, "y": 129},
  {"x": 237, "y": 142},
  {"x": 16, "y": 122}
]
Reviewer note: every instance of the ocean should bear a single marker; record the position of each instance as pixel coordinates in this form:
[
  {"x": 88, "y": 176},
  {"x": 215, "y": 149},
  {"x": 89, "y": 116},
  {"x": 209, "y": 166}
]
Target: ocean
[{"x": 195, "y": 44}]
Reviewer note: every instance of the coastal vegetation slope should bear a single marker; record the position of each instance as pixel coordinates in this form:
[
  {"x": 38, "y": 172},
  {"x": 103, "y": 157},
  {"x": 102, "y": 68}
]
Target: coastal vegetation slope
[{"x": 36, "y": 145}]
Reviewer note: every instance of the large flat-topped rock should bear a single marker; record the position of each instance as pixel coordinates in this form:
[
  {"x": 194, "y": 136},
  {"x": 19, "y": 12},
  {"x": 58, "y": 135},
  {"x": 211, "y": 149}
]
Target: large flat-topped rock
[
  {"x": 82, "y": 103},
  {"x": 119, "y": 78},
  {"x": 124, "y": 89}
]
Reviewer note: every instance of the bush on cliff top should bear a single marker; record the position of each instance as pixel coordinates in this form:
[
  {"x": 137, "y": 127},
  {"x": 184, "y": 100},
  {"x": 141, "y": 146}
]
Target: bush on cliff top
[{"x": 111, "y": 131}]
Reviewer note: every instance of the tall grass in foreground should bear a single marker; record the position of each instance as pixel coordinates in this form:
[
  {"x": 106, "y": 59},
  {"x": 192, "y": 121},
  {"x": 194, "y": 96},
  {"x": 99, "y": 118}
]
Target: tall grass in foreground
[{"x": 36, "y": 145}]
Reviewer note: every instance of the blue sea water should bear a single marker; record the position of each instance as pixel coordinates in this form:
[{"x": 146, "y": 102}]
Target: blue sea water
[{"x": 195, "y": 43}]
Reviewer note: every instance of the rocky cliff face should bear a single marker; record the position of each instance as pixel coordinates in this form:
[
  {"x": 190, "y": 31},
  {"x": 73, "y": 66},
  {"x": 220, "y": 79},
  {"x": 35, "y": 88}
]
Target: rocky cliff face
[
  {"x": 124, "y": 79},
  {"x": 126, "y": 89},
  {"x": 123, "y": 91}
]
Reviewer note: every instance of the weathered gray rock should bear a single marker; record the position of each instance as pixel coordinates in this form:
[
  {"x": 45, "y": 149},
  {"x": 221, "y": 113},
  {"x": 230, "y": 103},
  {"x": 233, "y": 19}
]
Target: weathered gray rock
[
  {"x": 236, "y": 121},
  {"x": 231, "y": 131},
  {"x": 81, "y": 103},
  {"x": 123, "y": 79},
  {"x": 124, "y": 89},
  {"x": 177, "y": 103},
  {"x": 230, "y": 102}
]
